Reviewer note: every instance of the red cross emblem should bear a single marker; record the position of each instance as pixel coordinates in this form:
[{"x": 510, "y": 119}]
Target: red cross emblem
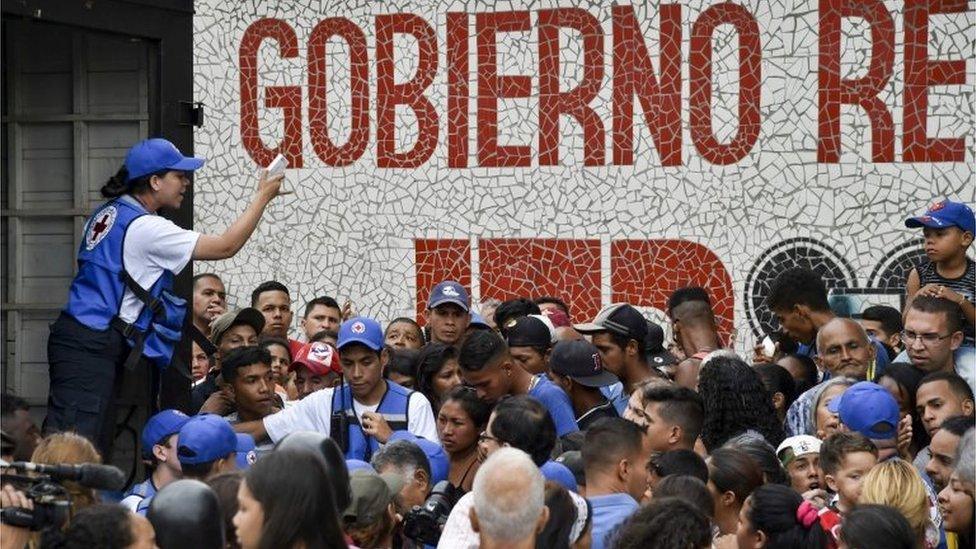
[{"x": 100, "y": 226}]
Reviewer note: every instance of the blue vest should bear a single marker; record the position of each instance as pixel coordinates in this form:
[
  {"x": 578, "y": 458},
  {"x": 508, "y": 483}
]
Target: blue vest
[
  {"x": 95, "y": 297},
  {"x": 96, "y": 292},
  {"x": 394, "y": 407},
  {"x": 146, "y": 490}
]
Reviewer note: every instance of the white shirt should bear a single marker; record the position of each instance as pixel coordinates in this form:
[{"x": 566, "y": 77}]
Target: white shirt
[
  {"x": 152, "y": 245},
  {"x": 457, "y": 533},
  {"x": 314, "y": 413}
]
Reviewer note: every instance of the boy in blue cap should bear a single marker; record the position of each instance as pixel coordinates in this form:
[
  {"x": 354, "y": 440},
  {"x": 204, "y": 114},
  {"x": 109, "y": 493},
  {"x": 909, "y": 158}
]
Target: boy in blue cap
[
  {"x": 869, "y": 409},
  {"x": 207, "y": 446},
  {"x": 159, "y": 440},
  {"x": 946, "y": 271},
  {"x": 362, "y": 413}
]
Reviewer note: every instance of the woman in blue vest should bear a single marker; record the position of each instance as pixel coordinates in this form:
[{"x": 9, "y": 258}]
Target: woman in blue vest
[{"x": 121, "y": 312}]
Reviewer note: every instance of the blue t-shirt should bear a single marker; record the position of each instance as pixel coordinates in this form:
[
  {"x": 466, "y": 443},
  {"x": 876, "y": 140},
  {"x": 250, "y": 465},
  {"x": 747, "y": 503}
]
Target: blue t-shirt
[
  {"x": 557, "y": 402},
  {"x": 615, "y": 394},
  {"x": 608, "y": 512}
]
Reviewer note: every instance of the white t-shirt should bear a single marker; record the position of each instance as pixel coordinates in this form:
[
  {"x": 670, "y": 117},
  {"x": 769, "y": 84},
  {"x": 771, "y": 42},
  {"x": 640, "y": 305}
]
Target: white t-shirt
[
  {"x": 314, "y": 413},
  {"x": 153, "y": 244},
  {"x": 458, "y": 533}
]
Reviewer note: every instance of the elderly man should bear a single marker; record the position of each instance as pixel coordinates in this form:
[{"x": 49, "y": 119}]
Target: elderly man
[
  {"x": 509, "y": 501},
  {"x": 843, "y": 349}
]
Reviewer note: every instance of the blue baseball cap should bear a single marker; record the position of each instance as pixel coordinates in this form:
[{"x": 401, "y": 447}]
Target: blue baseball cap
[
  {"x": 478, "y": 321},
  {"x": 360, "y": 329},
  {"x": 160, "y": 427},
  {"x": 945, "y": 214},
  {"x": 449, "y": 291},
  {"x": 358, "y": 464},
  {"x": 156, "y": 155},
  {"x": 560, "y": 474},
  {"x": 246, "y": 451},
  {"x": 869, "y": 409},
  {"x": 205, "y": 438}
]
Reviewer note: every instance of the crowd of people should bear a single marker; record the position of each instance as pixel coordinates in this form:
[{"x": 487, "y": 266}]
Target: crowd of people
[{"x": 513, "y": 424}]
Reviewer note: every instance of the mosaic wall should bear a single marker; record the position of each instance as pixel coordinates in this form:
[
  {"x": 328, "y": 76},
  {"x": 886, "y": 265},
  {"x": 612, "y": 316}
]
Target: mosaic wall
[{"x": 599, "y": 152}]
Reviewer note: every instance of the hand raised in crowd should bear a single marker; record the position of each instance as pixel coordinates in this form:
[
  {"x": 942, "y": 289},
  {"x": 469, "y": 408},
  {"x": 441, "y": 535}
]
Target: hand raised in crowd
[
  {"x": 220, "y": 402},
  {"x": 375, "y": 425},
  {"x": 938, "y": 290},
  {"x": 818, "y": 497},
  {"x": 347, "y": 311},
  {"x": 14, "y": 537},
  {"x": 905, "y": 438}
]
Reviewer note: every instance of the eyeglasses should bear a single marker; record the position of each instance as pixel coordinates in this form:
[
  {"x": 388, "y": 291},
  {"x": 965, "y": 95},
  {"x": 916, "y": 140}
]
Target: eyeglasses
[
  {"x": 485, "y": 437},
  {"x": 927, "y": 339}
]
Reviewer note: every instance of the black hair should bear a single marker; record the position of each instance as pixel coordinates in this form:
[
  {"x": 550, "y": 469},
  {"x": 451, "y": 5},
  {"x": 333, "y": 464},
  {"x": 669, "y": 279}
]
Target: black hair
[
  {"x": 956, "y": 383},
  {"x": 735, "y": 401},
  {"x": 412, "y": 322},
  {"x": 810, "y": 372},
  {"x": 514, "y": 308},
  {"x": 677, "y": 405},
  {"x": 562, "y": 516},
  {"x": 322, "y": 335},
  {"x": 324, "y": 301},
  {"x": 541, "y": 300},
  {"x": 691, "y": 489},
  {"x": 683, "y": 295},
  {"x": 478, "y": 410},
  {"x": 225, "y": 486},
  {"x": 242, "y": 357},
  {"x": 939, "y": 305},
  {"x": 479, "y": 349},
  {"x": 679, "y": 462},
  {"x": 732, "y": 470},
  {"x": 773, "y": 512},
  {"x": 524, "y": 423},
  {"x": 958, "y": 425},
  {"x": 836, "y": 447},
  {"x": 609, "y": 440},
  {"x": 763, "y": 454},
  {"x": 297, "y": 501},
  {"x": 198, "y": 471},
  {"x": 402, "y": 454},
  {"x": 889, "y": 317},
  {"x": 266, "y": 341},
  {"x": 907, "y": 377},
  {"x": 118, "y": 184},
  {"x": 430, "y": 360},
  {"x": 269, "y": 286},
  {"x": 403, "y": 361},
  {"x": 870, "y": 525},
  {"x": 99, "y": 526},
  {"x": 797, "y": 286},
  {"x": 206, "y": 275},
  {"x": 664, "y": 524},
  {"x": 11, "y": 403},
  {"x": 778, "y": 380}
]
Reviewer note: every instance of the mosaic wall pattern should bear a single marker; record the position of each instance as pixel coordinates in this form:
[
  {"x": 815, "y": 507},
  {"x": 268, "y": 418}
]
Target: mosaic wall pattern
[{"x": 600, "y": 152}]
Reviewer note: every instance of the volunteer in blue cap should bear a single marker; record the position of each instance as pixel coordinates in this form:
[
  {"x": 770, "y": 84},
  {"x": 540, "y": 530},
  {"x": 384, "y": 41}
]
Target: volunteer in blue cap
[
  {"x": 160, "y": 438},
  {"x": 120, "y": 308},
  {"x": 362, "y": 413},
  {"x": 208, "y": 446}
]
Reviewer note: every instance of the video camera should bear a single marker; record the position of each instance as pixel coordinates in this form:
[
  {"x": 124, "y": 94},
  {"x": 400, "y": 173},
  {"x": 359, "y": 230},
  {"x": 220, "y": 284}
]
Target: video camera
[
  {"x": 52, "y": 501},
  {"x": 424, "y": 523}
]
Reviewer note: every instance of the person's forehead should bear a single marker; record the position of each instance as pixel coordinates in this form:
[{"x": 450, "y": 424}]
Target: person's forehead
[
  {"x": 274, "y": 296},
  {"x": 603, "y": 339},
  {"x": 243, "y": 330},
  {"x": 522, "y": 351},
  {"x": 319, "y": 309},
  {"x": 944, "y": 441},
  {"x": 923, "y": 322},
  {"x": 448, "y": 308},
  {"x": 871, "y": 324},
  {"x": 209, "y": 283},
  {"x": 841, "y": 332},
  {"x": 933, "y": 389},
  {"x": 356, "y": 353},
  {"x": 258, "y": 368}
]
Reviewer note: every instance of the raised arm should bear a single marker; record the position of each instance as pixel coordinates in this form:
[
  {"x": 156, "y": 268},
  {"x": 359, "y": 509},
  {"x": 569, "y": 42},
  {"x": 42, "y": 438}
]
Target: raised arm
[{"x": 227, "y": 244}]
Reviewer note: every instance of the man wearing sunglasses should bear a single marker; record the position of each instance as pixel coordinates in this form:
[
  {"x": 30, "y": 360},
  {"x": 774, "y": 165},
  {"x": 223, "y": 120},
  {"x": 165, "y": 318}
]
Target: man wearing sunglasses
[{"x": 933, "y": 331}]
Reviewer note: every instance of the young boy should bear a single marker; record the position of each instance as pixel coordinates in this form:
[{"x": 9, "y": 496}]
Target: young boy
[
  {"x": 159, "y": 440},
  {"x": 947, "y": 272},
  {"x": 844, "y": 459}
]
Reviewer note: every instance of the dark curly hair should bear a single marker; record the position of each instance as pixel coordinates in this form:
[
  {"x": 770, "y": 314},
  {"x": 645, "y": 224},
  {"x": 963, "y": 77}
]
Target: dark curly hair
[
  {"x": 664, "y": 523},
  {"x": 101, "y": 526},
  {"x": 735, "y": 401},
  {"x": 773, "y": 511}
]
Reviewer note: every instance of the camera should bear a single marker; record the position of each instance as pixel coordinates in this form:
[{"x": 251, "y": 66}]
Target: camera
[
  {"x": 424, "y": 522},
  {"x": 52, "y": 502}
]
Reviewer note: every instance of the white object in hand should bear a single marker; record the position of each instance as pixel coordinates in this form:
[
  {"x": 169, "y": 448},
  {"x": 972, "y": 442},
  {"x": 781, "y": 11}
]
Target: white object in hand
[{"x": 277, "y": 165}]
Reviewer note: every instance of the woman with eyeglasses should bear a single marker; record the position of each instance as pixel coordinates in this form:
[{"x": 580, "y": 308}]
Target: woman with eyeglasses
[{"x": 462, "y": 417}]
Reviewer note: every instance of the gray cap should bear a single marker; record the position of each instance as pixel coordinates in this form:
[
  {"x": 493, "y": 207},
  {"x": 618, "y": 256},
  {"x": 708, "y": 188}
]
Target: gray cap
[{"x": 248, "y": 315}]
